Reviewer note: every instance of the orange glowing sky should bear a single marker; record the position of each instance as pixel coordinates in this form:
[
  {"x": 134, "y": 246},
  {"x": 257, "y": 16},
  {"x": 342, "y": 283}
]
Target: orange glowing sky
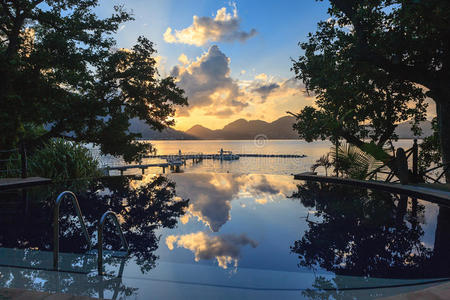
[{"x": 233, "y": 59}]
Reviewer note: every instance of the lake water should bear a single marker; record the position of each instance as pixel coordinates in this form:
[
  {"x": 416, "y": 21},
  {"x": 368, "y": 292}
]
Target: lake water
[{"x": 245, "y": 165}]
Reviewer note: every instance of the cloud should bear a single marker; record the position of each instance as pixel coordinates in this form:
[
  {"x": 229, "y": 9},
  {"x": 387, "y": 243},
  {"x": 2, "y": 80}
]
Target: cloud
[
  {"x": 210, "y": 194},
  {"x": 207, "y": 83},
  {"x": 261, "y": 201},
  {"x": 183, "y": 59},
  {"x": 225, "y": 248},
  {"x": 266, "y": 188},
  {"x": 263, "y": 87},
  {"x": 261, "y": 76},
  {"x": 161, "y": 62},
  {"x": 215, "y": 98},
  {"x": 210, "y": 197},
  {"x": 224, "y": 27}
]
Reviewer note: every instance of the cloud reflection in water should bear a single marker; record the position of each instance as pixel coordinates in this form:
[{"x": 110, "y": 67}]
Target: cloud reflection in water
[{"x": 224, "y": 248}]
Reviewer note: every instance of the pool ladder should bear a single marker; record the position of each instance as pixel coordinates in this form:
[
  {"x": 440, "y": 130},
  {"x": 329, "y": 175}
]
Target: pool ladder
[{"x": 109, "y": 214}]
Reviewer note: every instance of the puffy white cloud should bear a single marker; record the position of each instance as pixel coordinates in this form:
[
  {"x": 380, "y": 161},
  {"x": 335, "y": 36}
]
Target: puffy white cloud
[
  {"x": 183, "y": 59},
  {"x": 210, "y": 197},
  {"x": 225, "y": 249},
  {"x": 207, "y": 83},
  {"x": 224, "y": 27},
  {"x": 213, "y": 94}
]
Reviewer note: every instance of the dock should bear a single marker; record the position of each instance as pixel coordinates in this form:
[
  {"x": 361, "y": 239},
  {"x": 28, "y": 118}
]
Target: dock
[
  {"x": 15, "y": 183},
  {"x": 218, "y": 156},
  {"x": 175, "y": 161},
  {"x": 143, "y": 167},
  {"x": 416, "y": 191}
]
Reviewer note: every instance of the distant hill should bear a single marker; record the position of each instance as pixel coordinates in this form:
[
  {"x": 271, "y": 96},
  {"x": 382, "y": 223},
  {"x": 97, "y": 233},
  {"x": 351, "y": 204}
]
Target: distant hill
[
  {"x": 281, "y": 128},
  {"x": 203, "y": 133},
  {"x": 403, "y": 130},
  {"x": 243, "y": 130},
  {"x": 141, "y": 127}
]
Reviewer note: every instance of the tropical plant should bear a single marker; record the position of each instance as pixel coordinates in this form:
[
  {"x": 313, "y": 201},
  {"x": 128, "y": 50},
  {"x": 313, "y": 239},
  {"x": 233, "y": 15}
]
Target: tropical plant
[
  {"x": 61, "y": 160},
  {"x": 353, "y": 162},
  {"x": 324, "y": 161}
]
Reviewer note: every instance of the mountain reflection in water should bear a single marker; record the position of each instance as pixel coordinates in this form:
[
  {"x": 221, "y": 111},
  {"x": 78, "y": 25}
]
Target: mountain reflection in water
[{"x": 230, "y": 222}]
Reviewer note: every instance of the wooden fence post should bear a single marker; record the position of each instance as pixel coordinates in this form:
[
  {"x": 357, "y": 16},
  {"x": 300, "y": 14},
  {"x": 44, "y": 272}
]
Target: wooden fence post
[{"x": 415, "y": 160}]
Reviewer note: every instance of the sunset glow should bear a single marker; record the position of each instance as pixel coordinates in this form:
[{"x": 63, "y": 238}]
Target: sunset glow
[{"x": 232, "y": 59}]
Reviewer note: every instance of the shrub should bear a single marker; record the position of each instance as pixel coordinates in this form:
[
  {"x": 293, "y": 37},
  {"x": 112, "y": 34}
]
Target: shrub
[{"x": 61, "y": 160}]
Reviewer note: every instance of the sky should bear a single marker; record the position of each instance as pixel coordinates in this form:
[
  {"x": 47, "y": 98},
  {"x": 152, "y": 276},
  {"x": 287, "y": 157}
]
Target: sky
[{"x": 233, "y": 59}]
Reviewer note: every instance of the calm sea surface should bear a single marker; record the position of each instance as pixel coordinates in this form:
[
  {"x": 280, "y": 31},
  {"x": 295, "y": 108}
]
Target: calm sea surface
[{"x": 245, "y": 165}]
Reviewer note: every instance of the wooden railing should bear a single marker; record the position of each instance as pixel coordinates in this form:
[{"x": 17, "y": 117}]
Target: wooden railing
[
  {"x": 414, "y": 175},
  {"x": 7, "y": 157}
]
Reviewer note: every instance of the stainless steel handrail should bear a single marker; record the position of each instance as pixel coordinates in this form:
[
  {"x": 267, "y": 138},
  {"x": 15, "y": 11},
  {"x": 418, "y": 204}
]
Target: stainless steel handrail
[
  {"x": 56, "y": 225},
  {"x": 101, "y": 224}
]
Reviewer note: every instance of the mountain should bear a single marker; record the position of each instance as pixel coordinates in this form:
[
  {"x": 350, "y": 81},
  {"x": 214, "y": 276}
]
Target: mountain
[
  {"x": 201, "y": 132},
  {"x": 242, "y": 129},
  {"x": 139, "y": 126},
  {"x": 281, "y": 128},
  {"x": 403, "y": 130}
]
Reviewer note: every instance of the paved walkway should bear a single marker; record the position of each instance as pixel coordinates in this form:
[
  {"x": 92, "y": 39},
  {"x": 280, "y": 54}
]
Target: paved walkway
[
  {"x": 19, "y": 294},
  {"x": 420, "y": 192},
  {"x": 438, "y": 292}
]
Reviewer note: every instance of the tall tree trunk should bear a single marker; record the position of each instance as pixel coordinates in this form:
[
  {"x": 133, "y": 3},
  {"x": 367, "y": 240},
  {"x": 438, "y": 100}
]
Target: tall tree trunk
[{"x": 443, "y": 114}]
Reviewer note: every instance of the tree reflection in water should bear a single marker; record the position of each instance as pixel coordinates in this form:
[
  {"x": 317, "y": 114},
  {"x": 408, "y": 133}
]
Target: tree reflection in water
[
  {"x": 141, "y": 210},
  {"x": 370, "y": 234}
]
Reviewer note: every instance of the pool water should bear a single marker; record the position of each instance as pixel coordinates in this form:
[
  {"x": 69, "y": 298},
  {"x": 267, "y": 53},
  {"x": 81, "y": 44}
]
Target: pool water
[{"x": 222, "y": 236}]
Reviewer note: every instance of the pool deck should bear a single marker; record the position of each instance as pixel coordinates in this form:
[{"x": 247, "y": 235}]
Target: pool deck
[
  {"x": 14, "y": 183},
  {"x": 438, "y": 292},
  {"x": 20, "y": 294},
  {"x": 426, "y": 193}
]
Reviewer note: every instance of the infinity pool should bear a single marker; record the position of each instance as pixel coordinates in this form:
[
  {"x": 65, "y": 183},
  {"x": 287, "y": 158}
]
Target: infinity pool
[{"x": 222, "y": 236}]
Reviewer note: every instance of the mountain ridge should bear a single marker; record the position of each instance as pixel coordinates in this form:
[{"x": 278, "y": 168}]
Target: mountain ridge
[
  {"x": 242, "y": 129},
  {"x": 281, "y": 128}
]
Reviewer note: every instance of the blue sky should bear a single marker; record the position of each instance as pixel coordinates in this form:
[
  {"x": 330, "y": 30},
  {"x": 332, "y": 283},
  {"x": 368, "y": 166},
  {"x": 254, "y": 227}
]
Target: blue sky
[{"x": 235, "y": 92}]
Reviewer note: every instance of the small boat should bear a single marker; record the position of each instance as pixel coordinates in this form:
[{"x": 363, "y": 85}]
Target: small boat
[{"x": 226, "y": 155}]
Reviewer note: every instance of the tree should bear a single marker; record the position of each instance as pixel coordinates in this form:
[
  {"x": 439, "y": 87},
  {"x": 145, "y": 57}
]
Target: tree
[
  {"x": 354, "y": 101},
  {"x": 369, "y": 234},
  {"x": 59, "y": 69},
  {"x": 408, "y": 40}
]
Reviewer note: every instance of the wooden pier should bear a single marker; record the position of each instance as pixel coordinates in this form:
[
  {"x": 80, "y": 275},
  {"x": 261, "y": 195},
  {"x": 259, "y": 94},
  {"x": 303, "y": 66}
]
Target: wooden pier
[
  {"x": 218, "y": 156},
  {"x": 175, "y": 161},
  {"x": 143, "y": 167},
  {"x": 420, "y": 192}
]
